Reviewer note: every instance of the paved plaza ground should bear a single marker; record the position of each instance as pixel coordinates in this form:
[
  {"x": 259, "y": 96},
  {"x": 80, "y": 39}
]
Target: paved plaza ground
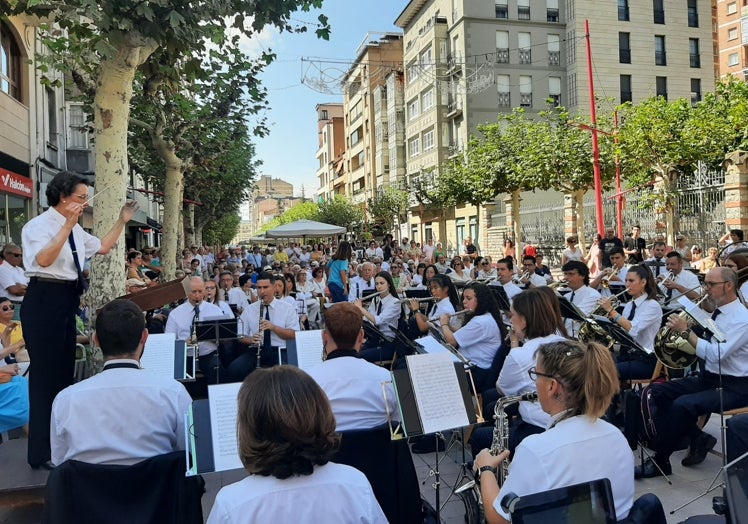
[{"x": 24, "y": 506}]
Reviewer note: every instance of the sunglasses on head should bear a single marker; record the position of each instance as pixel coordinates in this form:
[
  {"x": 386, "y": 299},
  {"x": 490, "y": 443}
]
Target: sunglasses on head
[{"x": 10, "y": 307}]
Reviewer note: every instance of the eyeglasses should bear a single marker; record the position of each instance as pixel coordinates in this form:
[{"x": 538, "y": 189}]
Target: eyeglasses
[
  {"x": 710, "y": 285},
  {"x": 484, "y": 263},
  {"x": 534, "y": 374},
  {"x": 8, "y": 308},
  {"x": 82, "y": 197}
]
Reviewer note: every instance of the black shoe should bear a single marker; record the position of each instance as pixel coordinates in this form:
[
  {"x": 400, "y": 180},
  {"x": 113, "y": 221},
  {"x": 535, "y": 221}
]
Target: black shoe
[
  {"x": 428, "y": 445},
  {"x": 700, "y": 447},
  {"x": 44, "y": 465},
  {"x": 649, "y": 469}
]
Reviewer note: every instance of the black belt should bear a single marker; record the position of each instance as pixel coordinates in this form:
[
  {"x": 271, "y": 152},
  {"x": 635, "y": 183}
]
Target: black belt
[{"x": 50, "y": 280}]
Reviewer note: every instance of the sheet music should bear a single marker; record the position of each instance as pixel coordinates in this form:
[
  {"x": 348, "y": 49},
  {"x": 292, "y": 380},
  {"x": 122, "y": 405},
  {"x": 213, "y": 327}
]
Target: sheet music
[
  {"x": 434, "y": 347},
  {"x": 158, "y": 355},
  {"x": 222, "y": 400},
  {"x": 437, "y": 392},
  {"x": 309, "y": 348}
]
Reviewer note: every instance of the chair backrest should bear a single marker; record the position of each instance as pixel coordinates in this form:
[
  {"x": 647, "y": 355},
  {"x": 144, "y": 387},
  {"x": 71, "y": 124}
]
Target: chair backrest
[
  {"x": 647, "y": 509},
  {"x": 389, "y": 468},
  {"x": 154, "y": 491}
]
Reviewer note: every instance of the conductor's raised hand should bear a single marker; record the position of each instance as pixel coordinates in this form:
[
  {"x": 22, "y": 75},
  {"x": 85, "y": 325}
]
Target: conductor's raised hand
[{"x": 128, "y": 211}]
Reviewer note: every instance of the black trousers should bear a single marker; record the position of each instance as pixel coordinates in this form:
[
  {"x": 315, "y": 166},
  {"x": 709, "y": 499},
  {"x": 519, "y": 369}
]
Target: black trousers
[
  {"x": 684, "y": 400},
  {"x": 48, "y": 321}
]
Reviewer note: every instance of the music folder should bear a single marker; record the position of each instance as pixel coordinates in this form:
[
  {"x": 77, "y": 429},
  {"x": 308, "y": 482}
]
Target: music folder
[
  {"x": 501, "y": 297},
  {"x": 417, "y": 293},
  {"x": 569, "y": 310},
  {"x": 619, "y": 334},
  {"x": 433, "y": 395},
  {"x": 165, "y": 356},
  {"x": 305, "y": 349}
]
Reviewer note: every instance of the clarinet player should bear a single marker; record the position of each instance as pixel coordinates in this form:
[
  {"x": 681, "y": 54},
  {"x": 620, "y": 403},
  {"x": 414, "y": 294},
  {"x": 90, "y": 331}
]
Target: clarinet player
[{"x": 575, "y": 384}]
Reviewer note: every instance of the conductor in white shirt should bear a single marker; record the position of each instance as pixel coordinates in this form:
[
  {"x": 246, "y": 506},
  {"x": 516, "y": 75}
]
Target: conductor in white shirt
[{"x": 356, "y": 388}]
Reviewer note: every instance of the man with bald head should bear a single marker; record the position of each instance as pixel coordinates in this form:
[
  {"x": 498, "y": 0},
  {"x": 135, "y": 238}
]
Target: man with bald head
[
  {"x": 182, "y": 318},
  {"x": 363, "y": 282}
]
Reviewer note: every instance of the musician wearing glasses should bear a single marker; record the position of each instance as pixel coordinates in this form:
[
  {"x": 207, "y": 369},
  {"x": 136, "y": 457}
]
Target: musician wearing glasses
[
  {"x": 529, "y": 278},
  {"x": 577, "y": 276},
  {"x": 575, "y": 384},
  {"x": 353, "y": 385},
  {"x": 13, "y": 279},
  {"x": 680, "y": 282},
  {"x": 485, "y": 271},
  {"x": 445, "y": 301},
  {"x": 479, "y": 338},
  {"x": 684, "y": 400},
  {"x": 641, "y": 317},
  {"x": 384, "y": 312}
]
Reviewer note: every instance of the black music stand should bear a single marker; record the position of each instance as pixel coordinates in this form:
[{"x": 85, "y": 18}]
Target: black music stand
[
  {"x": 619, "y": 334},
  {"x": 417, "y": 293},
  {"x": 371, "y": 330},
  {"x": 501, "y": 297},
  {"x": 217, "y": 329},
  {"x": 403, "y": 345},
  {"x": 571, "y": 311},
  {"x": 616, "y": 290}
]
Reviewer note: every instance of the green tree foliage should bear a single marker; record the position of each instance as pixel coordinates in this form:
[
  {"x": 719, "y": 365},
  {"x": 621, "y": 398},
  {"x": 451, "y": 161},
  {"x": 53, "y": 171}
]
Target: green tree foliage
[
  {"x": 221, "y": 231},
  {"x": 340, "y": 212},
  {"x": 388, "y": 208},
  {"x": 300, "y": 211}
]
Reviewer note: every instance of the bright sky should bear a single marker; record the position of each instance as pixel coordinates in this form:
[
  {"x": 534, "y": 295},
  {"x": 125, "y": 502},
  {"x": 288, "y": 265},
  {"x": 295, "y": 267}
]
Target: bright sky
[{"x": 289, "y": 151}]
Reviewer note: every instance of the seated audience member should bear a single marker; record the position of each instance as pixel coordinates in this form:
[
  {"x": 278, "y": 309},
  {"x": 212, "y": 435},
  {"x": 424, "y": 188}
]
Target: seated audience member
[
  {"x": 124, "y": 414},
  {"x": 353, "y": 385},
  {"x": 14, "y": 399},
  {"x": 575, "y": 383},
  {"x": 286, "y": 439}
]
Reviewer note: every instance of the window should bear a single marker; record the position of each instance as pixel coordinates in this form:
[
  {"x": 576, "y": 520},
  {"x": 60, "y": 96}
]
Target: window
[
  {"x": 732, "y": 33},
  {"x": 51, "y": 117},
  {"x": 625, "y": 81},
  {"x": 693, "y": 14},
  {"x": 661, "y": 82},
  {"x": 554, "y": 90},
  {"x": 623, "y": 10},
  {"x": 427, "y": 59},
  {"x": 695, "y": 90},
  {"x": 624, "y": 48},
  {"x": 732, "y": 59},
  {"x": 525, "y": 91},
  {"x": 571, "y": 84},
  {"x": 659, "y": 11},
  {"x": 502, "y": 10},
  {"x": 412, "y": 71},
  {"x": 523, "y": 9},
  {"x": 551, "y": 10},
  {"x": 660, "y": 54},
  {"x": 78, "y": 131},
  {"x": 503, "y": 91},
  {"x": 571, "y": 47},
  {"x": 525, "y": 48},
  {"x": 427, "y": 100},
  {"x": 414, "y": 147},
  {"x": 732, "y": 8},
  {"x": 413, "y": 109},
  {"x": 693, "y": 52},
  {"x": 10, "y": 63},
  {"x": 428, "y": 140},
  {"x": 323, "y": 114},
  {"x": 502, "y": 47},
  {"x": 554, "y": 50}
]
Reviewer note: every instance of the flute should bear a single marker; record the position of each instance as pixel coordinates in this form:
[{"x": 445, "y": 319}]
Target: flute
[{"x": 452, "y": 315}]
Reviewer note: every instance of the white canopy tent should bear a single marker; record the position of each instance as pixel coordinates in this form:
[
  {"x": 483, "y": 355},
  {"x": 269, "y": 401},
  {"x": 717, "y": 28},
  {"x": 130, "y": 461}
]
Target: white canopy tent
[{"x": 305, "y": 228}]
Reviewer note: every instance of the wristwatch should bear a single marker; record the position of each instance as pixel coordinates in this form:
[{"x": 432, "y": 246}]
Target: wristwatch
[
  {"x": 483, "y": 469},
  {"x": 685, "y": 334}
]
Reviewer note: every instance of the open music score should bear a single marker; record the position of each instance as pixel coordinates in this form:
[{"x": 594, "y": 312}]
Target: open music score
[
  {"x": 222, "y": 399},
  {"x": 306, "y": 350},
  {"x": 432, "y": 346},
  {"x": 165, "y": 356}
]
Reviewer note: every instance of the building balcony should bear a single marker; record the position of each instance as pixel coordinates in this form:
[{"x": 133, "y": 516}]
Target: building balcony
[
  {"x": 502, "y": 56},
  {"x": 525, "y": 56},
  {"x": 505, "y": 99},
  {"x": 554, "y": 58},
  {"x": 454, "y": 108}
]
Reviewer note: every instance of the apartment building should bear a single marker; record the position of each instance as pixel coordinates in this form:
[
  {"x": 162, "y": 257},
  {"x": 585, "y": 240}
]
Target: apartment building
[
  {"x": 366, "y": 114},
  {"x": 331, "y": 147},
  {"x": 467, "y": 61},
  {"x": 731, "y": 38}
]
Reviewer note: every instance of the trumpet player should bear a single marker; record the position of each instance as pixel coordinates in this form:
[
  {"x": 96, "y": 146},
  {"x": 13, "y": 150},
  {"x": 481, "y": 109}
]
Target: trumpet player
[
  {"x": 577, "y": 276},
  {"x": 680, "y": 282},
  {"x": 575, "y": 384},
  {"x": 615, "y": 275},
  {"x": 682, "y": 401},
  {"x": 267, "y": 323},
  {"x": 505, "y": 270},
  {"x": 529, "y": 278},
  {"x": 641, "y": 317}
]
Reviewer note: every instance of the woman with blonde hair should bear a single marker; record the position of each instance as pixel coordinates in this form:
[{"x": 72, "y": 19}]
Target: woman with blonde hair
[
  {"x": 287, "y": 437},
  {"x": 575, "y": 383}
]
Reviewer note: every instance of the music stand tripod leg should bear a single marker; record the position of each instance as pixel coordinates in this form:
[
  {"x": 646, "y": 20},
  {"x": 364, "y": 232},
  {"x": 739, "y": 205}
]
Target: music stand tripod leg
[{"x": 642, "y": 452}]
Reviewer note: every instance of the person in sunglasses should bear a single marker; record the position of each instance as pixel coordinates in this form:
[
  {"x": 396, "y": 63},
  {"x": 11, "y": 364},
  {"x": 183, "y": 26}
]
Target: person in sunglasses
[{"x": 13, "y": 279}]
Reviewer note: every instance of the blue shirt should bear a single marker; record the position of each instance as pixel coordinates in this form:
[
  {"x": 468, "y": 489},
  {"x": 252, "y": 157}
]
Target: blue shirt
[{"x": 336, "y": 266}]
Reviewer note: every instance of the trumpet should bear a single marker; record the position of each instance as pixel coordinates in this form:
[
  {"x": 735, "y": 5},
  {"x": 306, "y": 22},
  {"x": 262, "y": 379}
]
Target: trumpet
[
  {"x": 615, "y": 302},
  {"x": 675, "y": 299},
  {"x": 661, "y": 284},
  {"x": 558, "y": 284},
  {"x": 605, "y": 283},
  {"x": 518, "y": 280}
]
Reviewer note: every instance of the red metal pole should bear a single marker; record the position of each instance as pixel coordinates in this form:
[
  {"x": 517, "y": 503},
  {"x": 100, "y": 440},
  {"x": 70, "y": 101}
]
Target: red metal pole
[
  {"x": 595, "y": 145},
  {"x": 619, "y": 193}
]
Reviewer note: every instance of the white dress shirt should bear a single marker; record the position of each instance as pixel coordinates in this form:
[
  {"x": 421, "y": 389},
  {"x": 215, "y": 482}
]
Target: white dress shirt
[
  {"x": 237, "y": 297},
  {"x": 282, "y": 314},
  {"x": 386, "y": 317},
  {"x": 479, "y": 339},
  {"x": 514, "y": 379},
  {"x": 11, "y": 276},
  {"x": 119, "y": 416},
  {"x": 512, "y": 289},
  {"x": 355, "y": 390},
  {"x": 646, "y": 322},
  {"x": 732, "y": 321},
  {"x": 585, "y": 298},
  {"x": 333, "y": 494},
  {"x": 357, "y": 286},
  {"x": 686, "y": 279},
  {"x": 181, "y": 318},
  {"x": 578, "y": 449},
  {"x": 36, "y": 235}
]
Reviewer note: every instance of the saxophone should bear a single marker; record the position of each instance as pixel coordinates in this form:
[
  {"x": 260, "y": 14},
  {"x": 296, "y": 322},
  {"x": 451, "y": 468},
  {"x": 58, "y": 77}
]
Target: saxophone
[{"x": 470, "y": 491}]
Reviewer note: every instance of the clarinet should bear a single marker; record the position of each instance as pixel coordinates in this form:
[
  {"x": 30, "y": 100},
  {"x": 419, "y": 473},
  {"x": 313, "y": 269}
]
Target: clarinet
[{"x": 260, "y": 331}]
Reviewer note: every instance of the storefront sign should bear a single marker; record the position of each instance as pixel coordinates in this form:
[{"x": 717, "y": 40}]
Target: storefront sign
[{"x": 15, "y": 184}]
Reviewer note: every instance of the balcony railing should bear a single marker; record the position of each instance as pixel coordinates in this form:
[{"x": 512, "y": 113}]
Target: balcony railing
[
  {"x": 523, "y": 12},
  {"x": 525, "y": 99},
  {"x": 552, "y": 15},
  {"x": 505, "y": 99},
  {"x": 554, "y": 58},
  {"x": 525, "y": 56},
  {"x": 502, "y": 55}
]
